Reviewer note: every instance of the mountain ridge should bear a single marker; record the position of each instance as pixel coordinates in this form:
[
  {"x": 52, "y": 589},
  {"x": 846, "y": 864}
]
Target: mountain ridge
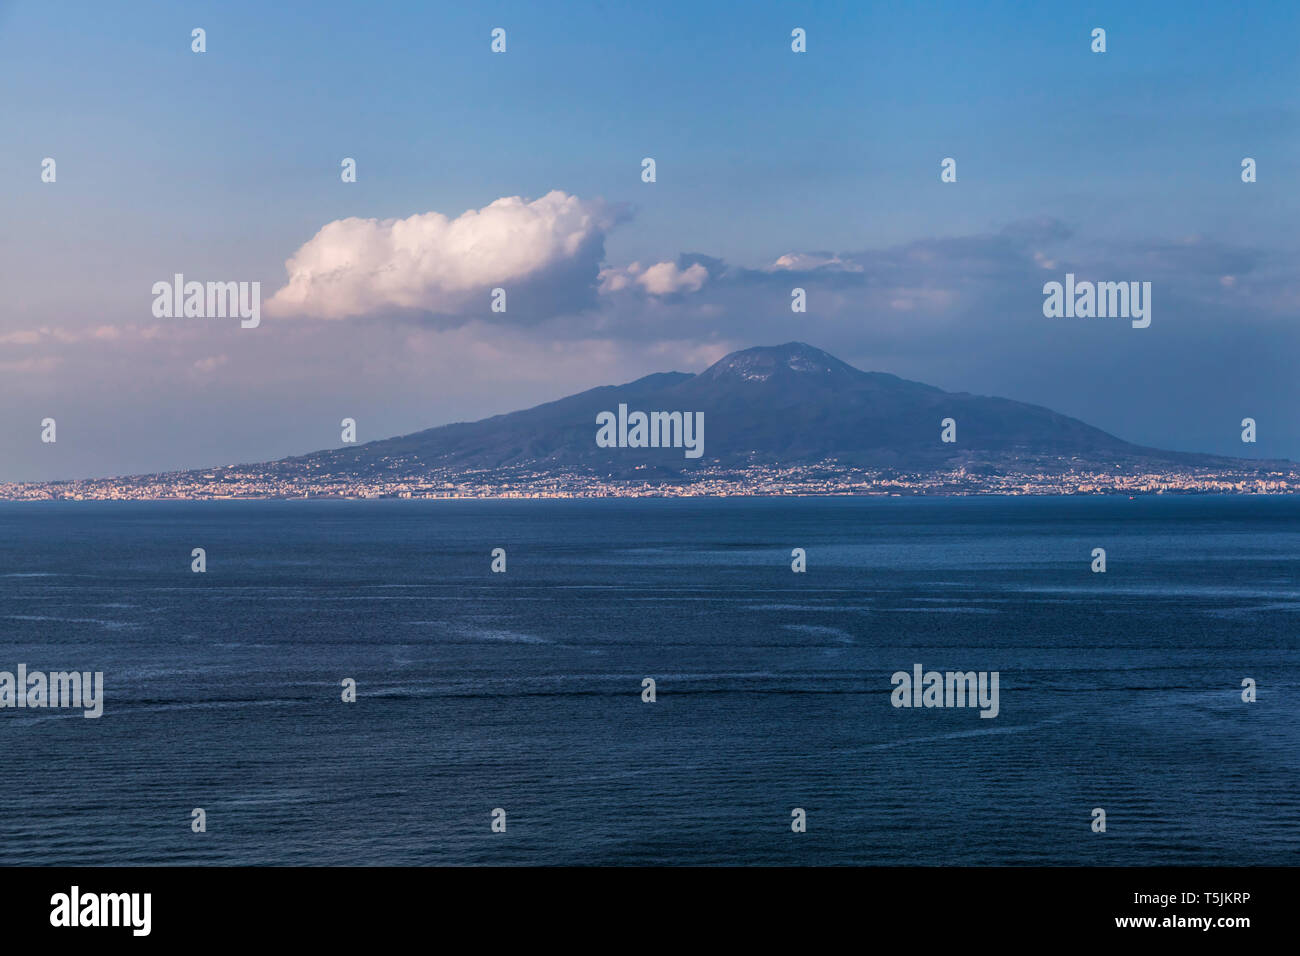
[
  {"x": 786, "y": 419},
  {"x": 778, "y": 405}
]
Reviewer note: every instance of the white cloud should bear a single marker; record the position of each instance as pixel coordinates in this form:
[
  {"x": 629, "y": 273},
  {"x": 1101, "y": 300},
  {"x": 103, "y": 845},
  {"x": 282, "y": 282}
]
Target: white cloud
[
  {"x": 614, "y": 279},
  {"x": 211, "y": 363},
  {"x": 45, "y": 334},
  {"x": 808, "y": 261},
  {"x": 662, "y": 278},
  {"x": 431, "y": 263}
]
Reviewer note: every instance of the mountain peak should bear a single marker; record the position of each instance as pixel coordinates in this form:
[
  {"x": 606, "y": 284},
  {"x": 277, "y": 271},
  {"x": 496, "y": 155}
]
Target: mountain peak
[{"x": 765, "y": 362}]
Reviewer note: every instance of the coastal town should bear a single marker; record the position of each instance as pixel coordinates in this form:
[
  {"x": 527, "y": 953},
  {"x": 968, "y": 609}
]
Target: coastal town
[{"x": 824, "y": 478}]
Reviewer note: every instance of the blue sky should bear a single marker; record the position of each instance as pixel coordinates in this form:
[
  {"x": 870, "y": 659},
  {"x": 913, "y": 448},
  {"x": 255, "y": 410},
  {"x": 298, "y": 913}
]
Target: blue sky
[{"x": 225, "y": 164}]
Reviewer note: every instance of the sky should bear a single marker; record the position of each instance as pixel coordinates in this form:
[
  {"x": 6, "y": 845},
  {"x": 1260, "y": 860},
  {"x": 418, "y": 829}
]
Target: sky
[{"x": 523, "y": 170}]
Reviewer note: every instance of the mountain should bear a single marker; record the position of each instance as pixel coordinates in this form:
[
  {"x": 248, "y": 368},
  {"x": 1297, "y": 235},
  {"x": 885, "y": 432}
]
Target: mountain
[{"x": 774, "y": 406}]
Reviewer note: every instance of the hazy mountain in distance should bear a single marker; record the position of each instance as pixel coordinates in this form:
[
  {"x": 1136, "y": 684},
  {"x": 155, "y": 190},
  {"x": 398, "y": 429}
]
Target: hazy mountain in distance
[{"x": 773, "y": 405}]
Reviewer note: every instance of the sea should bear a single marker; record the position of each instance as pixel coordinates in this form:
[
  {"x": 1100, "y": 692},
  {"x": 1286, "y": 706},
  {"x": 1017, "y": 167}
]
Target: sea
[{"x": 518, "y": 697}]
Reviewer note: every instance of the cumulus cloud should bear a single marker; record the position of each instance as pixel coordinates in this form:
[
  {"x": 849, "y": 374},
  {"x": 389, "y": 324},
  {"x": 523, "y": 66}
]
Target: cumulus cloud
[
  {"x": 431, "y": 264},
  {"x": 665, "y": 278},
  {"x": 809, "y": 261},
  {"x": 662, "y": 278}
]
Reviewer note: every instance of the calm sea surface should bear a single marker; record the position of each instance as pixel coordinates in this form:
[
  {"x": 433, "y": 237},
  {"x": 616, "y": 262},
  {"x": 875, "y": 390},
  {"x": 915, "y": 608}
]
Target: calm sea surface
[{"x": 523, "y": 690}]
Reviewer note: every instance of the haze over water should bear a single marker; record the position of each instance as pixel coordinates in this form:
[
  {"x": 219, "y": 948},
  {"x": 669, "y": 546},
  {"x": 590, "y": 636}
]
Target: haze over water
[{"x": 522, "y": 690}]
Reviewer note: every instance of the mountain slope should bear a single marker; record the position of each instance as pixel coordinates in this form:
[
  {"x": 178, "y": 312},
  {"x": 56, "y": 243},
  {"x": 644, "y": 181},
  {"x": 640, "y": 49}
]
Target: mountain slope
[{"x": 779, "y": 405}]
